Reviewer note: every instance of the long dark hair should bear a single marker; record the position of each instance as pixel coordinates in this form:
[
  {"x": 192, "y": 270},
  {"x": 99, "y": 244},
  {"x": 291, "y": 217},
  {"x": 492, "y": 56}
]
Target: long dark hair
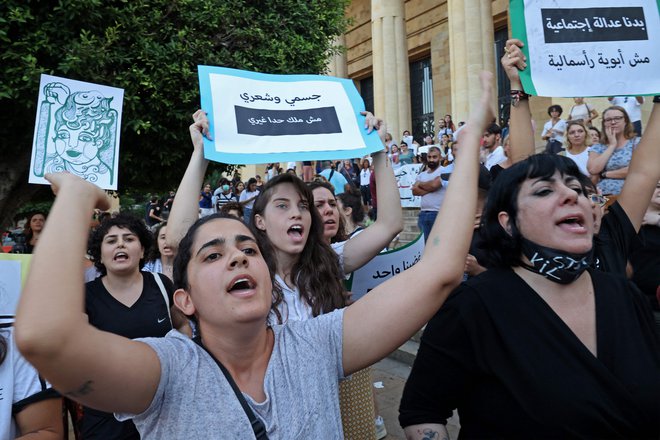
[
  {"x": 353, "y": 199},
  {"x": 154, "y": 254},
  {"x": 316, "y": 273},
  {"x": 184, "y": 254},
  {"x": 27, "y": 229}
]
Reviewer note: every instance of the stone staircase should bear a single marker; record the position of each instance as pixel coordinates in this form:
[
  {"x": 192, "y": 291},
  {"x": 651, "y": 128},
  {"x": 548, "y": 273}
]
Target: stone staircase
[{"x": 410, "y": 229}]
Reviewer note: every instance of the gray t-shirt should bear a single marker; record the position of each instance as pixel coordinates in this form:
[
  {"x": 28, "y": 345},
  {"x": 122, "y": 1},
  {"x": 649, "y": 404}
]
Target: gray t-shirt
[{"x": 194, "y": 400}]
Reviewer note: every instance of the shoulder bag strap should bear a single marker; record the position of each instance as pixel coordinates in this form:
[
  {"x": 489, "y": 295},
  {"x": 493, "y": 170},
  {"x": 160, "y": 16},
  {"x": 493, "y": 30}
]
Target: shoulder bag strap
[
  {"x": 330, "y": 176},
  {"x": 257, "y": 425},
  {"x": 164, "y": 293}
]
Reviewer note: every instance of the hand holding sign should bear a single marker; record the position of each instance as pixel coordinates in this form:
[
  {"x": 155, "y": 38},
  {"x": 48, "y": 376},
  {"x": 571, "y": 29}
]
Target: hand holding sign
[{"x": 513, "y": 61}]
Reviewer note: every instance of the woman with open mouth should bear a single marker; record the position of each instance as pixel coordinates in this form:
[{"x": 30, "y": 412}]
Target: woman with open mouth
[
  {"x": 124, "y": 301},
  {"x": 282, "y": 377},
  {"x": 568, "y": 350}
]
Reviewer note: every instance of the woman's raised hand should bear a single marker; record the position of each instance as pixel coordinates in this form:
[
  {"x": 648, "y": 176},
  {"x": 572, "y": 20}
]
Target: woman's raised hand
[
  {"x": 70, "y": 182},
  {"x": 199, "y": 129},
  {"x": 513, "y": 61}
]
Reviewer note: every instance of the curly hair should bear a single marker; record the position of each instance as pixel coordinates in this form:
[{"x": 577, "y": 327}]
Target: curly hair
[
  {"x": 317, "y": 274},
  {"x": 184, "y": 255},
  {"x": 504, "y": 249},
  {"x": 123, "y": 221}
]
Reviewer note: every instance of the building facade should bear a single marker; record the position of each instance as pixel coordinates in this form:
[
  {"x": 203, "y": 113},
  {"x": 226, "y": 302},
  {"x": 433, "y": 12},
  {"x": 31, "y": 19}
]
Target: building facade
[{"x": 414, "y": 61}]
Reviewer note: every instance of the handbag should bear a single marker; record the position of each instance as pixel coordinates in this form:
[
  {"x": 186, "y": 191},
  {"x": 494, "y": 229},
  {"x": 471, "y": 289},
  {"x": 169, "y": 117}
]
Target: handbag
[{"x": 257, "y": 425}]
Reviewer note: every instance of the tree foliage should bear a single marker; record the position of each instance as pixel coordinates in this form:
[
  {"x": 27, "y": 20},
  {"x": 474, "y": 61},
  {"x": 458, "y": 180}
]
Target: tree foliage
[{"x": 151, "y": 49}]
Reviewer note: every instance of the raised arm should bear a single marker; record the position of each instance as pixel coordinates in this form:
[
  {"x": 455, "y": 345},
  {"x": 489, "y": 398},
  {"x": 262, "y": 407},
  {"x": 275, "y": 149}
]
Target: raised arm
[
  {"x": 643, "y": 171},
  {"x": 51, "y": 330},
  {"x": 428, "y": 283},
  {"x": 521, "y": 132},
  {"x": 186, "y": 202},
  {"x": 360, "y": 249}
]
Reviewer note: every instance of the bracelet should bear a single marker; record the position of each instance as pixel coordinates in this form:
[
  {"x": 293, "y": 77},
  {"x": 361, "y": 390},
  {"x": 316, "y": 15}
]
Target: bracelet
[
  {"x": 603, "y": 175},
  {"x": 656, "y": 99},
  {"x": 517, "y": 96}
]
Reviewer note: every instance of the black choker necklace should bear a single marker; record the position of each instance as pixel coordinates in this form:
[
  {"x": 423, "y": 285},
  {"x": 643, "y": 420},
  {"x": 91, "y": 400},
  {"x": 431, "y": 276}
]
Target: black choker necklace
[{"x": 558, "y": 266}]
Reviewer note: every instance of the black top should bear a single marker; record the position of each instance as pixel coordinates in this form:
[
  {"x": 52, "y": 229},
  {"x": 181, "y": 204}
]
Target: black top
[
  {"x": 646, "y": 263},
  {"x": 513, "y": 368},
  {"x": 615, "y": 240},
  {"x": 147, "y": 317}
]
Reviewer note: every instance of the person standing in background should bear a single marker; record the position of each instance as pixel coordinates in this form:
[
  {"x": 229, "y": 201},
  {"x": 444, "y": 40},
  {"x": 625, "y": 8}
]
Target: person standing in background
[{"x": 633, "y": 106}]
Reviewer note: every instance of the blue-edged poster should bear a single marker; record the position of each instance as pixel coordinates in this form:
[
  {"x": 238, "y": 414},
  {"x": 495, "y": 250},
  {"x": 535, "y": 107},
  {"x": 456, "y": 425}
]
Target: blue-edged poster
[
  {"x": 263, "y": 118},
  {"x": 589, "y": 48}
]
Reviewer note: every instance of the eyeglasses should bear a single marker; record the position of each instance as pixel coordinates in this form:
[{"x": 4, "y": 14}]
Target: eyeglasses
[
  {"x": 597, "y": 199},
  {"x": 613, "y": 119}
]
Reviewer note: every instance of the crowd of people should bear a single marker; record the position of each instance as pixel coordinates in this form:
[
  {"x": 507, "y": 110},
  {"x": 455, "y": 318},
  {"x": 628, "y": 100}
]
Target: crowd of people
[{"x": 224, "y": 313}]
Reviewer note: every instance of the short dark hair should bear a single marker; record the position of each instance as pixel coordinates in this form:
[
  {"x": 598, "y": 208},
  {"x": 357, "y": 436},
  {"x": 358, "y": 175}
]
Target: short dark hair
[
  {"x": 504, "y": 249},
  {"x": 232, "y": 206},
  {"x": 353, "y": 199},
  {"x": 493, "y": 129},
  {"x": 555, "y": 108},
  {"x": 123, "y": 221}
]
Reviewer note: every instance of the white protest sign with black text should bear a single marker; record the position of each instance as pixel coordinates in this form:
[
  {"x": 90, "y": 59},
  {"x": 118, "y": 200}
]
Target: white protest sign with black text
[
  {"x": 589, "y": 48},
  {"x": 261, "y": 118},
  {"x": 384, "y": 266}
]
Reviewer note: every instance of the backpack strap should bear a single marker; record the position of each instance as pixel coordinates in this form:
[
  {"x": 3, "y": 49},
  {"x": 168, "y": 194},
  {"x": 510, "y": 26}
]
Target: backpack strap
[
  {"x": 164, "y": 292},
  {"x": 257, "y": 425}
]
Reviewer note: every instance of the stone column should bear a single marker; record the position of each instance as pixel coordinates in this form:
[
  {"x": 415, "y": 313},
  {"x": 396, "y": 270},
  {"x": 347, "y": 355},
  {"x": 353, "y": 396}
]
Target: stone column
[
  {"x": 390, "y": 64},
  {"x": 337, "y": 63},
  {"x": 471, "y": 48}
]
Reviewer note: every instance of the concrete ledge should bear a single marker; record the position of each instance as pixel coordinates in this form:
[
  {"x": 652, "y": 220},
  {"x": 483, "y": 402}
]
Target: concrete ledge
[{"x": 406, "y": 353}]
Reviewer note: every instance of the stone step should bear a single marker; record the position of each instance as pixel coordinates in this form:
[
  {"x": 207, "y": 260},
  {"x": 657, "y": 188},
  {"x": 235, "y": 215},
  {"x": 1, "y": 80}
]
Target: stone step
[{"x": 406, "y": 353}]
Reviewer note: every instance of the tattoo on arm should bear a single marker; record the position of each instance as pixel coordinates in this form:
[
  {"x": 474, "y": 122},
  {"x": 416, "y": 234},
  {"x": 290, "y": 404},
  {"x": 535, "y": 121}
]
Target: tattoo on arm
[
  {"x": 83, "y": 390},
  {"x": 430, "y": 434},
  {"x": 436, "y": 241}
]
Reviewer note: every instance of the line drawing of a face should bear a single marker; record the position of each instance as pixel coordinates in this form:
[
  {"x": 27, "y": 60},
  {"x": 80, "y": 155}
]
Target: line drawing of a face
[{"x": 76, "y": 146}]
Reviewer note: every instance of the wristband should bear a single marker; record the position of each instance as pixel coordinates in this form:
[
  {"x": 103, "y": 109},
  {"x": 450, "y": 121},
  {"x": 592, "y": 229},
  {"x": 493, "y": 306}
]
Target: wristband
[
  {"x": 517, "y": 96},
  {"x": 603, "y": 175},
  {"x": 656, "y": 99}
]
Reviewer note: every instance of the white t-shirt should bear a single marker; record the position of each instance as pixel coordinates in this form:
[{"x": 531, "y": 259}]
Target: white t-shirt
[
  {"x": 432, "y": 200},
  {"x": 194, "y": 400},
  {"x": 630, "y": 104},
  {"x": 365, "y": 174},
  {"x": 581, "y": 111},
  {"x": 559, "y": 126},
  {"x": 495, "y": 157},
  {"x": 18, "y": 381},
  {"x": 247, "y": 195},
  {"x": 580, "y": 160},
  {"x": 293, "y": 307}
]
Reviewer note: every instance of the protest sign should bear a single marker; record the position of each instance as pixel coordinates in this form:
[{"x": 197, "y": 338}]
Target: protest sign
[
  {"x": 77, "y": 130},
  {"x": 262, "y": 118},
  {"x": 13, "y": 271},
  {"x": 594, "y": 48},
  {"x": 384, "y": 266},
  {"x": 405, "y": 179}
]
